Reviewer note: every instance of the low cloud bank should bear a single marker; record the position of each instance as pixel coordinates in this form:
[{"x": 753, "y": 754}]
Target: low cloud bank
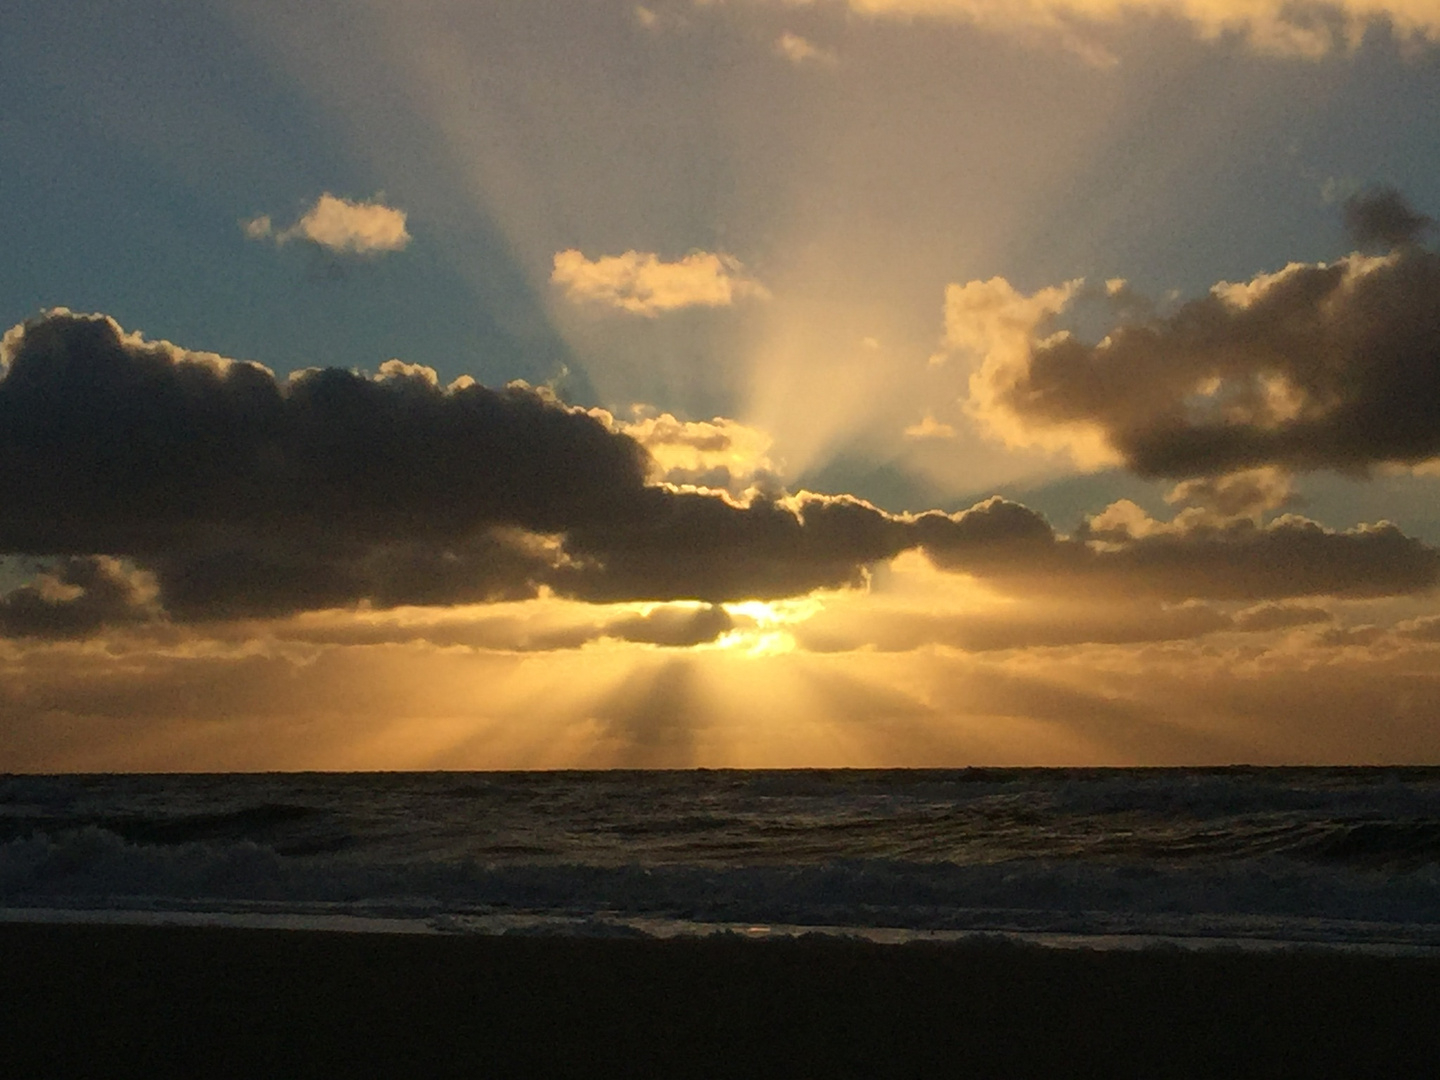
[{"x": 215, "y": 490}]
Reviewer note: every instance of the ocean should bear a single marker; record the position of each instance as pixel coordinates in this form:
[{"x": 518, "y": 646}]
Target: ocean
[{"x": 1236, "y": 857}]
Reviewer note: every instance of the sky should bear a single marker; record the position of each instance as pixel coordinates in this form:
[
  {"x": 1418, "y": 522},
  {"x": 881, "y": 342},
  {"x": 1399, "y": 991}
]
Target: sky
[{"x": 472, "y": 384}]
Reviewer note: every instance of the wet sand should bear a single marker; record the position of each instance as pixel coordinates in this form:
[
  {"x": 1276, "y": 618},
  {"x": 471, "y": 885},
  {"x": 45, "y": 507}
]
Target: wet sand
[{"x": 84, "y": 1000}]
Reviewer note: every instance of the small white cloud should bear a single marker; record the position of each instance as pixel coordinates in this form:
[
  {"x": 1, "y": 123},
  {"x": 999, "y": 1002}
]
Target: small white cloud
[
  {"x": 364, "y": 228},
  {"x": 641, "y": 283},
  {"x": 339, "y": 225},
  {"x": 930, "y": 428},
  {"x": 799, "y": 50}
]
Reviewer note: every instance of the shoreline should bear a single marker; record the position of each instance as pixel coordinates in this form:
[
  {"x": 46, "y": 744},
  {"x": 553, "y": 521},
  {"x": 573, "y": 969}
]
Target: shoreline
[
  {"x": 95, "y": 999},
  {"x": 608, "y": 925}
]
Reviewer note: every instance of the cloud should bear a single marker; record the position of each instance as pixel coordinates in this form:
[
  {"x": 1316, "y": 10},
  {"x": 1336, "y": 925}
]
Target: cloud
[
  {"x": 687, "y": 544},
  {"x": 1278, "y": 27},
  {"x": 542, "y": 624},
  {"x": 642, "y": 284},
  {"x": 76, "y": 597},
  {"x": 673, "y": 626},
  {"x": 1381, "y": 217},
  {"x": 1316, "y": 366},
  {"x": 1030, "y": 626},
  {"x": 994, "y": 321},
  {"x": 1122, "y": 551},
  {"x": 217, "y": 491},
  {"x": 929, "y": 428},
  {"x": 253, "y": 703},
  {"x": 245, "y": 494},
  {"x": 1248, "y": 494},
  {"x": 1271, "y": 616},
  {"x": 717, "y": 453},
  {"x": 341, "y": 226},
  {"x": 1292, "y": 556},
  {"x": 801, "y": 51},
  {"x": 537, "y": 624}
]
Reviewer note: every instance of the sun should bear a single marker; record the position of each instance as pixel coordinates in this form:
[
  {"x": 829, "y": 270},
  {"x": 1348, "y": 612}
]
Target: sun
[{"x": 761, "y": 627}]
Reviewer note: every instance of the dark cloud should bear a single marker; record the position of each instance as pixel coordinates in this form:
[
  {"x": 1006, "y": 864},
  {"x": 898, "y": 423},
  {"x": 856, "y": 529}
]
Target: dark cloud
[
  {"x": 1239, "y": 560},
  {"x": 75, "y": 597},
  {"x": 246, "y": 495},
  {"x": 278, "y": 575},
  {"x": 692, "y": 545},
  {"x": 1315, "y": 367},
  {"x": 239, "y": 495},
  {"x": 115, "y": 444},
  {"x": 1124, "y": 553},
  {"x": 674, "y": 627},
  {"x": 1380, "y": 217}
]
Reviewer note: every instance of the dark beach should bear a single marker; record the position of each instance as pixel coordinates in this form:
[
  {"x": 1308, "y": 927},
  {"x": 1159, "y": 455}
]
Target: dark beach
[{"x": 85, "y": 1000}]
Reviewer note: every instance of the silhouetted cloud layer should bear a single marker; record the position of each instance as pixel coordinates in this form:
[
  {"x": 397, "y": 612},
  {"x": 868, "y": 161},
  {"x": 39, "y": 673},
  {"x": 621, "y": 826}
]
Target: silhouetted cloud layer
[
  {"x": 1123, "y": 552},
  {"x": 244, "y": 494},
  {"x": 214, "y": 490}
]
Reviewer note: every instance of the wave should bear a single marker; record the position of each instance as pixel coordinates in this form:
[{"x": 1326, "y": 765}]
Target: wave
[
  {"x": 1279, "y": 852},
  {"x": 97, "y": 868}
]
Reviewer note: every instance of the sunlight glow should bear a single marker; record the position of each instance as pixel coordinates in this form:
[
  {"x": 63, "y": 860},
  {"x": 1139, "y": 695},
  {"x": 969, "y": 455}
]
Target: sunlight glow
[{"x": 755, "y": 642}]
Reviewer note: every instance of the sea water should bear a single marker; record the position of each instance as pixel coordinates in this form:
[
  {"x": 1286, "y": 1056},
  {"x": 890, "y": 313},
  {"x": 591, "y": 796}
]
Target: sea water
[{"x": 1239, "y": 856}]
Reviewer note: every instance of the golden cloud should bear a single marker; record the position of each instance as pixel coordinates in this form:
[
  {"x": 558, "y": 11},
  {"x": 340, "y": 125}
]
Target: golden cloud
[
  {"x": 993, "y": 323},
  {"x": 1279, "y": 27},
  {"x": 1316, "y": 366},
  {"x": 930, "y": 428},
  {"x": 641, "y": 283},
  {"x": 340, "y": 225},
  {"x": 719, "y": 453}
]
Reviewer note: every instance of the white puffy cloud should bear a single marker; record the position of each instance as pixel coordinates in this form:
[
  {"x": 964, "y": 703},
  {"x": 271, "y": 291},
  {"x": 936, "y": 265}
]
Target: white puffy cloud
[
  {"x": 339, "y": 225},
  {"x": 641, "y": 283}
]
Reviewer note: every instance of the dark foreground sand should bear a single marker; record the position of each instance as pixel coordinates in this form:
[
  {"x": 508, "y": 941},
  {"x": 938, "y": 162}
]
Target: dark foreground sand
[{"x": 79, "y": 1001}]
